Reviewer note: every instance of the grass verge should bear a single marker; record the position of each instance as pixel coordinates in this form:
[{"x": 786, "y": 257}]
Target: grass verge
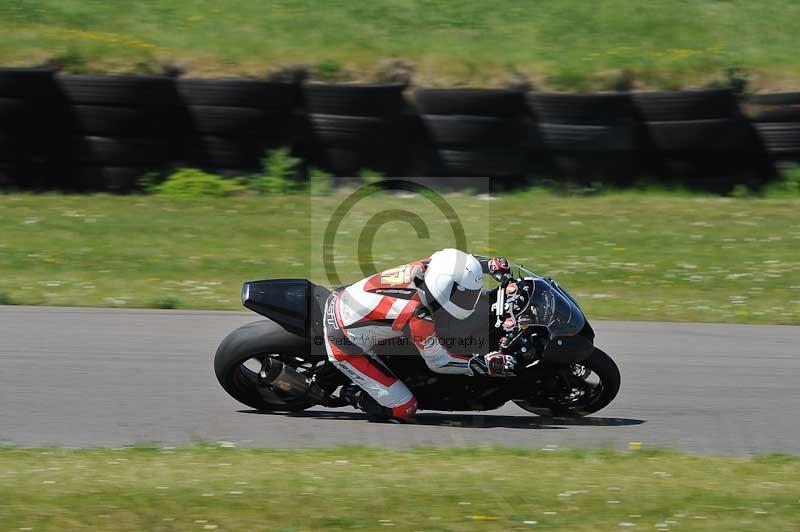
[
  {"x": 568, "y": 44},
  {"x": 622, "y": 255},
  {"x": 206, "y": 488}
]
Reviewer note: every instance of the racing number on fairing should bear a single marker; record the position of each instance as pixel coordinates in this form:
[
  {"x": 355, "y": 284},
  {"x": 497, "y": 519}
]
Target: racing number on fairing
[{"x": 396, "y": 276}]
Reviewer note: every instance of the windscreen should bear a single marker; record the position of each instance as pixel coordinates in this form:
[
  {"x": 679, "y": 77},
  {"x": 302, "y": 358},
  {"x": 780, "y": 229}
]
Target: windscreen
[
  {"x": 551, "y": 306},
  {"x": 554, "y": 309}
]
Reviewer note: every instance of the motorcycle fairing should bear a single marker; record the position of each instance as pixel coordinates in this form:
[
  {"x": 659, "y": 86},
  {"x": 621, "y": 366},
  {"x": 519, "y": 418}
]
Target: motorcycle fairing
[
  {"x": 294, "y": 304},
  {"x": 567, "y": 349},
  {"x": 284, "y": 301}
]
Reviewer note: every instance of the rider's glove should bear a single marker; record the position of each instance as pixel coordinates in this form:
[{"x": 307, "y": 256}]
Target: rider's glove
[
  {"x": 499, "y": 268},
  {"x": 494, "y": 364}
]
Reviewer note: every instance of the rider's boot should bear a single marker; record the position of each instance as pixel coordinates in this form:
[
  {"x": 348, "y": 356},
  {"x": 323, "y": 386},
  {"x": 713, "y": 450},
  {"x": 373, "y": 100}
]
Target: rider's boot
[{"x": 358, "y": 398}]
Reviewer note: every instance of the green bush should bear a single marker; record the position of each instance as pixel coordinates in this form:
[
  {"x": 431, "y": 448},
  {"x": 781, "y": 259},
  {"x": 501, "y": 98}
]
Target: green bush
[
  {"x": 328, "y": 69},
  {"x": 6, "y": 299},
  {"x": 787, "y": 187},
  {"x": 193, "y": 183},
  {"x": 370, "y": 177},
  {"x": 149, "y": 182},
  {"x": 740, "y": 191},
  {"x": 280, "y": 174},
  {"x": 320, "y": 182}
]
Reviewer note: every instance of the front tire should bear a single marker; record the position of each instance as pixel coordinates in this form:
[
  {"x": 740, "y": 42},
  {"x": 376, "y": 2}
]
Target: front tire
[{"x": 573, "y": 394}]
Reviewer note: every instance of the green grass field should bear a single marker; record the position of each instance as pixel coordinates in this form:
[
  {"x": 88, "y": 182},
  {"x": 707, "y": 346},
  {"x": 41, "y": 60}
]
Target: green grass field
[
  {"x": 622, "y": 255},
  {"x": 208, "y": 488},
  {"x": 565, "y": 44}
]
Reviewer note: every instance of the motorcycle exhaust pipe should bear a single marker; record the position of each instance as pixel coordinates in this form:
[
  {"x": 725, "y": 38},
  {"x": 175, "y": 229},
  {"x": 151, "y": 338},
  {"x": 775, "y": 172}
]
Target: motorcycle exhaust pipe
[{"x": 284, "y": 377}]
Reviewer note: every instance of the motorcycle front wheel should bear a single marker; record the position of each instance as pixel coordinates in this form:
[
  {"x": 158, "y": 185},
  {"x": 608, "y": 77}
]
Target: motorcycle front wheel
[{"x": 575, "y": 390}]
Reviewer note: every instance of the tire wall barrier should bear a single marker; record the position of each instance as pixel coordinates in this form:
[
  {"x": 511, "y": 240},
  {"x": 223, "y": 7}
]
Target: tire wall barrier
[
  {"x": 103, "y": 132},
  {"x": 30, "y": 129},
  {"x": 116, "y": 129},
  {"x": 586, "y": 137},
  {"x": 474, "y": 132},
  {"x": 230, "y": 123},
  {"x": 776, "y": 120},
  {"x": 347, "y": 128}
]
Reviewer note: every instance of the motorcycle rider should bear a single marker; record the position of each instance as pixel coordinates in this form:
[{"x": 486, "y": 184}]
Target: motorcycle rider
[{"x": 399, "y": 302}]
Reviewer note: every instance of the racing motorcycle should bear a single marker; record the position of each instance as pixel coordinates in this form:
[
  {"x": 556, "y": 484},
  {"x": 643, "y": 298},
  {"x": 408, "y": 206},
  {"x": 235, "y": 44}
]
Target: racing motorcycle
[{"x": 280, "y": 364}]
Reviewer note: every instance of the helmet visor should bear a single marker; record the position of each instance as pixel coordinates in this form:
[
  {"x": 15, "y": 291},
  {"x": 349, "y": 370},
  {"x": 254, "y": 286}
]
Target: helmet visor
[{"x": 463, "y": 297}]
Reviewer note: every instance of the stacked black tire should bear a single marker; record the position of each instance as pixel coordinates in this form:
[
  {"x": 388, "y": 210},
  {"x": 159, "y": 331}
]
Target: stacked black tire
[
  {"x": 475, "y": 132},
  {"x": 776, "y": 118},
  {"x": 701, "y": 139},
  {"x": 349, "y": 128},
  {"x": 30, "y": 128},
  {"x": 229, "y": 124},
  {"x": 118, "y": 129},
  {"x": 102, "y": 132},
  {"x": 585, "y": 137}
]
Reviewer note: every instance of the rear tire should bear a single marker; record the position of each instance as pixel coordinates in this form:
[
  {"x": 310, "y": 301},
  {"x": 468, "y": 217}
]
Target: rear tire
[
  {"x": 257, "y": 341},
  {"x": 608, "y": 373}
]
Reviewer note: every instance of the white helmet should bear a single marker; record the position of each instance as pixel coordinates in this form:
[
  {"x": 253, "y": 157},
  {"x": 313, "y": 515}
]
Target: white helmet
[{"x": 455, "y": 280}]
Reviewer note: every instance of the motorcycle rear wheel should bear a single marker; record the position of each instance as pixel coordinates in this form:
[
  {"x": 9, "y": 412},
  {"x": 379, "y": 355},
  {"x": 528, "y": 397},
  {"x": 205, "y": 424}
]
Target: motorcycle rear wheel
[
  {"x": 580, "y": 397},
  {"x": 239, "y": 357}
]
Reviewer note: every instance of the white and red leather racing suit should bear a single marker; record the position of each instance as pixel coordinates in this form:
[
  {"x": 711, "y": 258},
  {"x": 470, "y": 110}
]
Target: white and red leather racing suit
[{"x": 385, "y": 305}]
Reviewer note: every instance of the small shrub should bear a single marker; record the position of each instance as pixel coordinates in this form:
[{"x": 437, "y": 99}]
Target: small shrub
[
  {"x": 733, "y": 78},
  {"x": 737, "y": 79},
  {"x": 320, "y": 182},
  {"x": 6, "y": 299},
  {"x": 370, "y": 177},
  {"x": 328, "y": 69},
  {"x": 149, "y": 182},
  {"x": 193, "y": 183},
  {"x": 787, "y": 187},
  {"x": 740, "y": 191},
  {"x": 166, "y": 302},
  {"x": 280, "y": 173}
]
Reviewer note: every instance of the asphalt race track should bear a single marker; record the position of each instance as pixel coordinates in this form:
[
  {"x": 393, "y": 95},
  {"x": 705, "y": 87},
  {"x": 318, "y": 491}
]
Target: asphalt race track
[{"x": 101, "y": 377}]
